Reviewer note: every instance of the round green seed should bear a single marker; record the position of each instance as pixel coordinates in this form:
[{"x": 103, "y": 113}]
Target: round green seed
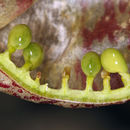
[
  {"x": 91, "y": 64},
  {"x": 113, "y": 61},
  {"x": 19, "y": 37},
  {"x": 33, "y": 55}
]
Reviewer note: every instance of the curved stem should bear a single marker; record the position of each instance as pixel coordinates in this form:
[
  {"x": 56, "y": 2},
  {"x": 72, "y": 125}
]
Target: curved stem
[
  {"x": 11, "y": 51},
  {"x": 26, "y": 66},
  {"x": 87, "y": 95},
  {"x": 125, "y": 79}
]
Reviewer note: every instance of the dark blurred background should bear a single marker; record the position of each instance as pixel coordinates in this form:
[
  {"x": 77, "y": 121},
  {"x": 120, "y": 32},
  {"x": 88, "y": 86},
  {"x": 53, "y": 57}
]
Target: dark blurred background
[{"x": 17, "y": 114}]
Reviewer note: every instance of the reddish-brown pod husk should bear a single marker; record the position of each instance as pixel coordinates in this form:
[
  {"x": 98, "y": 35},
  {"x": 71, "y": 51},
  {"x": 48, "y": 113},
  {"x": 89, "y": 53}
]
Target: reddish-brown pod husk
[
  {"x": 10, "y": 9},
  {"x": 66, "y": 35}
]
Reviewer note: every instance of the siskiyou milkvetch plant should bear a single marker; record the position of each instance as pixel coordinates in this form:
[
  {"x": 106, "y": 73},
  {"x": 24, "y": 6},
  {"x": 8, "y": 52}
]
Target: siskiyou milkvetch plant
[{"x": 111, "y": 60}]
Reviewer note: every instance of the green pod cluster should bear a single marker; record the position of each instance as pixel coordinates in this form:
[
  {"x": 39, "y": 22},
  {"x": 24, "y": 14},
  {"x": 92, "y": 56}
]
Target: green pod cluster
[
  {"x": 111, "y": 60},
  {"x": 20, "y": 38}
]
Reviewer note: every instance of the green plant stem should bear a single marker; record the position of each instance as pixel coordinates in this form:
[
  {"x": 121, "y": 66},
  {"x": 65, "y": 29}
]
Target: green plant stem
[
  {"x": 89, "y": 84},
  {"x": 106, "y": 84},
  {"x": 65, "y": 86}
]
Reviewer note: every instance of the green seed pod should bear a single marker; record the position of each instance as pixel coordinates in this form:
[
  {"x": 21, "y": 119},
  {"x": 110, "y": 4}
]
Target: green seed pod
[
  {"x": 33, "y": 55},
  {"x": 91, "y": 64},
  {"x": 113, "y": 61},
  {"x": 19, "y": 37}
]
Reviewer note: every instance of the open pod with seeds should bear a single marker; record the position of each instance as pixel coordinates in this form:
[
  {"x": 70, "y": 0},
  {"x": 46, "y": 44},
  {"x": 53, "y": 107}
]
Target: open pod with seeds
[{"x": 81, "y": 58}]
